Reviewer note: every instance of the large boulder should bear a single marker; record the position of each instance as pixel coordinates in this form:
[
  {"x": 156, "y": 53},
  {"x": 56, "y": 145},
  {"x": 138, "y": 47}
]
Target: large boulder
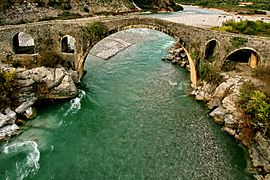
[
  {"x": 230, "y": 121},
  {"x": 260, "y": 152},
  {"x": 218, "y": 115},
  {"x": 8, "y": 131},
  {"x": 4, "y": 120},
  {"x": 229, "y": 103},
  {"x": 25, "y": 106},
  {"x": 203, "y": 92},
  {"x": 220, "y": 92},
  {"x": 8, "y": 118},
  {"x": 48, "y": 83}
]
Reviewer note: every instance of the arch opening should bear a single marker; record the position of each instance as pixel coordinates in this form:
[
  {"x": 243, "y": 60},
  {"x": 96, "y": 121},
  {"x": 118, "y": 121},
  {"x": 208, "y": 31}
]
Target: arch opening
[
  {"x": 210, "y": 49},
  {"x": 23, "y": 43},
  {"x": 68, "y": 44},
  {"x": 119, "y": 44},
  {"x": 245, "y": 56}
]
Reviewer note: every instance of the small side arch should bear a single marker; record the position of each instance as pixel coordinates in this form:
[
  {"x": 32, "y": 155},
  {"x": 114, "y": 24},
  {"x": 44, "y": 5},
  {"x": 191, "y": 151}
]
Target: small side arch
[
  {"x": 68, "y": 44},
  {"x": 23, "y": 43},
  {"x": 210, "y": 48},
  {"x": 245, "y": 55}
]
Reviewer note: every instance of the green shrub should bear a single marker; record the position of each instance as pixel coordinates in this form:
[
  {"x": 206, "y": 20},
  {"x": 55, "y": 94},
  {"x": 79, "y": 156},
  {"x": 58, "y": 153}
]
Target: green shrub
[
  {"x": 228, "y": 66},
  {"x": 68, "y": 15},
  {"x": 8, "y": 89},
  {"x": 246, "y": 27},
  {"x": 246, "y": 90},
  {"x": 210, "y": 73},
  {"x": 238, "y": 41},
  {"x": 51, "y": 59},
  {"x": 230, "y": 5},
  {"x": 6, "y": 80},
  {"x": 255, "y": 104},
  {"x": 96, "y": 29},
  {"x": 258, "y": 107},
  {"x": 225, "y": 29}
]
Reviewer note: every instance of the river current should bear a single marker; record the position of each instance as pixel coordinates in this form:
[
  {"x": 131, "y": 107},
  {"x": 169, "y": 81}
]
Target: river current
[{"x": 133, "y": 119}]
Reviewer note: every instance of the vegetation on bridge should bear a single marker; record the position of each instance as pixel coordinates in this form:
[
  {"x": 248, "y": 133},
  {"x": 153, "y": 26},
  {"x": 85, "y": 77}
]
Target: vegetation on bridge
[
  {"x": 259, "y": 28},
  {"x": 96, "y": 30}
]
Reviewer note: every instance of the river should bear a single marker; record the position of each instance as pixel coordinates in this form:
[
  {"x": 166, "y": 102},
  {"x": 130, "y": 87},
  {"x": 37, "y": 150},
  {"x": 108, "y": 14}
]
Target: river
[{"x": 133, "y": 119}]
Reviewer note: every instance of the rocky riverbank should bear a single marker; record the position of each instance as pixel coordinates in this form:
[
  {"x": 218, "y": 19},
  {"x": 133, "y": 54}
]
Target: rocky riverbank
[
  {"x": 223, "y": 102},
  {"x": 30, "y": 86}
]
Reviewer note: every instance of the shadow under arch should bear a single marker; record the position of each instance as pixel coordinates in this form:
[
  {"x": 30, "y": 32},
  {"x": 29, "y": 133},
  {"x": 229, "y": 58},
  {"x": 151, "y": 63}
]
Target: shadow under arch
[
  {"x": 210, "y": 48},
  {"x": 23, "y": 43},
  {"x": 68, "y": 44},
  {"x": 244, "y": 55}
]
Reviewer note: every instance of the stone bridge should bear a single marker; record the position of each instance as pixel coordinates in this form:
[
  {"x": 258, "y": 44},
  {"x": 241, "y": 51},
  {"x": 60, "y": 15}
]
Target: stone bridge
[{"x": 25, "y": 44}]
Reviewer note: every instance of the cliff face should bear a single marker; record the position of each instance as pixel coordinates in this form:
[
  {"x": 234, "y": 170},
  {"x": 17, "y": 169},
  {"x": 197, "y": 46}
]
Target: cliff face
[
  {"x": 68, "y": 4},
  {"x": 22, "y": 11},
  {"x": 94, "y": 5}
]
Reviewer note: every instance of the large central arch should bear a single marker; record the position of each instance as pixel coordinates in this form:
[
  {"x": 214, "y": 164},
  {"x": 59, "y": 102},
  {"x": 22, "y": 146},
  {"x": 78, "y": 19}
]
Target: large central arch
[{"x": 193, "y": 74}]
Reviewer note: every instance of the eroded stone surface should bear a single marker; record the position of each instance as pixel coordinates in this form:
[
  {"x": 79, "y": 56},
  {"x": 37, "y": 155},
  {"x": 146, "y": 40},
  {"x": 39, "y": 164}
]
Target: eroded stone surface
[{"x": 36, "y": 84}]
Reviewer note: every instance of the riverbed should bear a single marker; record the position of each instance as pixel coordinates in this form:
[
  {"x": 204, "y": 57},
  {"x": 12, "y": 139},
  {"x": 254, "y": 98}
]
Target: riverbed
[{"x": 206, "y": 18}]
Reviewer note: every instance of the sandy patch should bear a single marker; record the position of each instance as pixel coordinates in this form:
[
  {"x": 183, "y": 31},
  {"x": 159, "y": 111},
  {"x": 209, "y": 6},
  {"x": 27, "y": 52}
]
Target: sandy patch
[
  {"x": 109, "y": 47},
  {"x": 211, "y": 20}
]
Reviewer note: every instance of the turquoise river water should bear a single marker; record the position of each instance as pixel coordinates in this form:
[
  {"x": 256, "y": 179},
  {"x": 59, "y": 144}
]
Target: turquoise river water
[{"x": 132, "y": 120}]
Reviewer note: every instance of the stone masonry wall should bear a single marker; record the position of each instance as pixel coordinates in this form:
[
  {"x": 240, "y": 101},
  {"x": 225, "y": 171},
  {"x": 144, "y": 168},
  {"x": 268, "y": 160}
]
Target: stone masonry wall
[{"x": 193, "y": 39}]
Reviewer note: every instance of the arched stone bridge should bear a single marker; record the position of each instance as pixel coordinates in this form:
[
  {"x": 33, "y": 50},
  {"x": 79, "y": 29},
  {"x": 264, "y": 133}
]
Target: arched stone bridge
[{"x": 199, "y": 43}]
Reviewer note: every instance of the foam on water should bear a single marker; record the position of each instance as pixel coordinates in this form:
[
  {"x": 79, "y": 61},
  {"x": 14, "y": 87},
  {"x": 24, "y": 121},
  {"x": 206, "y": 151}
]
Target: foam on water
[
  {"x": 172, "y": 83},
  {"x": 75, "y": 104},
  {"x": 28, "y": 165}
]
